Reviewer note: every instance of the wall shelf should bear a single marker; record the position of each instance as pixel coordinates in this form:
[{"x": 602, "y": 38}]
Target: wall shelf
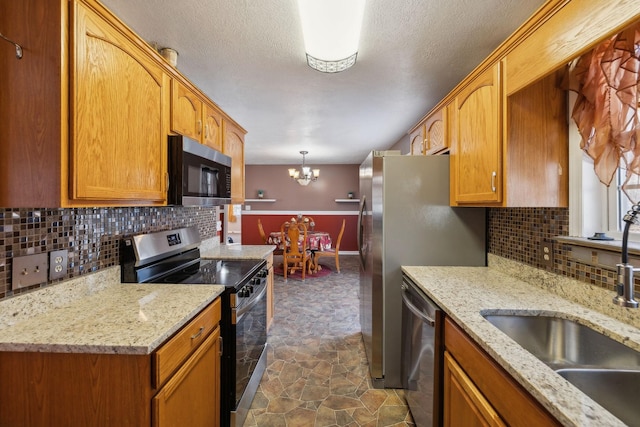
[
  {"x": 347, "y": 200},
  {"x": 260, "y": 200}
]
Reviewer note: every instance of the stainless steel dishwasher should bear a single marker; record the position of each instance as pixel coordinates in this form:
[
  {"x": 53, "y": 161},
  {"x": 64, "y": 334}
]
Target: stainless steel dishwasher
[{"x": 422, "y": 355}]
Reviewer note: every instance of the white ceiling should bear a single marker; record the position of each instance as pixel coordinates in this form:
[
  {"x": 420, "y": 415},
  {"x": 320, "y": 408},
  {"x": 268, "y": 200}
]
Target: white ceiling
[{"x": 248, "y": 57}]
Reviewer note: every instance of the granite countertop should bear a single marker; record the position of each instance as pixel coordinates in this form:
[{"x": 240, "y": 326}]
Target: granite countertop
[
  {"x": 98, "y": 314},
  {"x": 236, "y": 251},
  {"x": 465, "y": 293}
]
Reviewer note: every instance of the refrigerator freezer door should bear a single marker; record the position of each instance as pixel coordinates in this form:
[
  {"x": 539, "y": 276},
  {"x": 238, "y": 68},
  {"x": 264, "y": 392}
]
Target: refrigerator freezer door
[{"x": 408, "y": 221}]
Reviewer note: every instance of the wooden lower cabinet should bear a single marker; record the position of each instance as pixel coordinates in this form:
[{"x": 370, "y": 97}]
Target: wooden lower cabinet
[
  {"x": 270, "y": 301},
  {"x": 192, "y": 396},
  {"x": 479, "y": 392},
  {"x": 464, "y": 403},
  {"x": 82, "y": 389}
]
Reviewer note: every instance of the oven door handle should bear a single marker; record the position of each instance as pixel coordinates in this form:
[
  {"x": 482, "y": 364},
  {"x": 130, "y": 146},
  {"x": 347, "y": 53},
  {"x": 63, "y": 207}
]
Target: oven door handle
[{"x": 252, "y": 304}]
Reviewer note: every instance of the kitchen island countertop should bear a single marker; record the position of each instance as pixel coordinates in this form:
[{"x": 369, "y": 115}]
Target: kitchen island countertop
[
  {"x": 97, "y": 314},
  {"x": 466, "y": 293}
]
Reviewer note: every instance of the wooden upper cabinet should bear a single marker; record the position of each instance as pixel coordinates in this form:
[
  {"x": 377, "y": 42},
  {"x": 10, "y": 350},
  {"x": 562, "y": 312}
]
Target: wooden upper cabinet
[
  {"x": 212, "y": 127},
  {"x": 417, "y": 140},
  {"x": 436, "y": 131},
  {"x": 510, "y": 151},
  {"x": 477, "y": 149},
  {"x": 194, "y": 117},
  {"x": 431, "y": 135},
  {"x": 566, "y": 30},
  {"x": 233, "y": 146},
  {"x": 186, "y": 111},
  {"x": 118, "y": 115}
]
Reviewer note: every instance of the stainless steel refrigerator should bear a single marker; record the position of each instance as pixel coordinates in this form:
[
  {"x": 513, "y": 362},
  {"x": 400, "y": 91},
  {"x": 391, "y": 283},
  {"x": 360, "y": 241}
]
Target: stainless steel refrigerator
[{"x": 405, "y": 219}]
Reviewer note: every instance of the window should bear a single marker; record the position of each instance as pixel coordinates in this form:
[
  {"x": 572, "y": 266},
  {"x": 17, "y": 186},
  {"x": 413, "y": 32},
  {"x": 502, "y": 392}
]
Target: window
[{"x": 593, "y": 207}]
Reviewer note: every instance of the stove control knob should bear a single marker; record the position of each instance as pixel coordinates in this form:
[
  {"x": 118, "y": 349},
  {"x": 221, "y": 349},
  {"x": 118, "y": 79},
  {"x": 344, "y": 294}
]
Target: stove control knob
[
  {"x": 262, "y": 273},
  {"x": 243, "y": 293},
  {"x": 255, "y": 281},
  {"x": 249, "y": 288}
]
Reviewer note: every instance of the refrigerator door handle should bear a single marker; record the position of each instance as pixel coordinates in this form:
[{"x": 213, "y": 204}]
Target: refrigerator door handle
[{"x": 360, "y": 229}]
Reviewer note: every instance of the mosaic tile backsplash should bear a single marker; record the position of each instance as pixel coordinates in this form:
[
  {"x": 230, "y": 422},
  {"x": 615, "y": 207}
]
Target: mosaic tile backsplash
[
  {"x": 92, "y": 236},
  {"x": 517, "y": 234}
]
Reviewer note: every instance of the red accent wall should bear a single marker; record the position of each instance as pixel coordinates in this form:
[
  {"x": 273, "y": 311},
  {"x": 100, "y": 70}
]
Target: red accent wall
[{"x": 330, "y": 223}]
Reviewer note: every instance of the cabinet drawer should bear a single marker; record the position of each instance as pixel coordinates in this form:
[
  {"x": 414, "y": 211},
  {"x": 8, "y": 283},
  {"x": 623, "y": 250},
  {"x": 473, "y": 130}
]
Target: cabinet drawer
[{"x": 175, "y": 351}]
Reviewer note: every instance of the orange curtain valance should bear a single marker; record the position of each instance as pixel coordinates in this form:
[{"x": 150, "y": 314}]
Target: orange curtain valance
[{"x": 606, "y": 110}]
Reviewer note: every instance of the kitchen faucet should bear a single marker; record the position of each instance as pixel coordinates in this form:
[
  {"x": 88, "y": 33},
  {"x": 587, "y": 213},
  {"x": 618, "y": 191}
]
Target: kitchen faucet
[{"x": 624, "y": 287}]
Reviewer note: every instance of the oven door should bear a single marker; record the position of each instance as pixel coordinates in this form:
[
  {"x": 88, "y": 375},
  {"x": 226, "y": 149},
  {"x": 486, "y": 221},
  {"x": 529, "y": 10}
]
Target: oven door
[{"x": 250, "y": 354}]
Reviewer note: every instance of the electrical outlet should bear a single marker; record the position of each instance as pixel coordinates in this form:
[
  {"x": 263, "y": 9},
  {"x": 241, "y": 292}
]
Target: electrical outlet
[
  {"x": 29, "y": 270},
  {"x": 58, "y": 261},
  {"x": 546, "y": 254}
]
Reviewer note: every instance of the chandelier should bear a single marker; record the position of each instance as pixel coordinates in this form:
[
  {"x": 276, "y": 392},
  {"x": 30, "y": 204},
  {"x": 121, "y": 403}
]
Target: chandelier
[{"x": 305, "y": 175}]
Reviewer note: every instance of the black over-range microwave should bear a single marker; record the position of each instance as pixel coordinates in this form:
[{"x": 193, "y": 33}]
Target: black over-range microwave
[{"x": 198, "y": 175}]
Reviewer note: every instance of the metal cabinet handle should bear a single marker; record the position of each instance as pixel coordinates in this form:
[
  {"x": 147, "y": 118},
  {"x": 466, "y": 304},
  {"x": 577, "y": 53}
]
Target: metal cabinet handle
[
  {"x": 199, "y": 127},
  {"x": 493, "y": 181},
  {"x": 221, "y": 347},
  {"x": 197, "y": 334}
]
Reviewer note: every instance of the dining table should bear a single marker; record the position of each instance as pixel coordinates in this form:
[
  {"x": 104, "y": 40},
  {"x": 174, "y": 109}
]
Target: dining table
[{"x": 316, "y": 241}]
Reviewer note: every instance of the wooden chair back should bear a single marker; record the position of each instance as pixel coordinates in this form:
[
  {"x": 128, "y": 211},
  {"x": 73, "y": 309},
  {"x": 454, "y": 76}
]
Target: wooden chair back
[
  {"x": 295, "y": 256},
  {"x": 261, "y": 231},
  {"x": 335, "y": 252}
]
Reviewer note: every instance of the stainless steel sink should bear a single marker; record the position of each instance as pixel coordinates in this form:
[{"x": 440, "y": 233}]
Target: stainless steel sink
[
  {"x": 602, "y": 368},
  {"x": 616, "y": 390},
  {"x": 563, "y": 343}
]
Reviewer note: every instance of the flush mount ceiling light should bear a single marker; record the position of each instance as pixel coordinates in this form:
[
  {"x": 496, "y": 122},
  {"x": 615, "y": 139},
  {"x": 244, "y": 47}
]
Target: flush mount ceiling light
[
  {"x": 305, "y": 175},
  {"x": 331, "y": 30}
]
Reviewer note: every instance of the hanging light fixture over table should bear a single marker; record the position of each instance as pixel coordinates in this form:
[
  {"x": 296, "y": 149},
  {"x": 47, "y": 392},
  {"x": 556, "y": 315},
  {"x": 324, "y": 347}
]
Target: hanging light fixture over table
[
  {"x": 305, "y": 175},
  {"x": 331, "y": 30}
]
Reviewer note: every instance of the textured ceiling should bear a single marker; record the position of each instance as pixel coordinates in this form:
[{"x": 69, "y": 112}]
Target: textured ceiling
[{"x": 248, "y": 57}]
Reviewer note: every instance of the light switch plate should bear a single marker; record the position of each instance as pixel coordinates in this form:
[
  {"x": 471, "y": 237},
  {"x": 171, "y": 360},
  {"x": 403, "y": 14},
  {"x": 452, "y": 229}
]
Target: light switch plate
[
  {"x": 58, "y": 262},
  {"x": 29, "y": 270}
]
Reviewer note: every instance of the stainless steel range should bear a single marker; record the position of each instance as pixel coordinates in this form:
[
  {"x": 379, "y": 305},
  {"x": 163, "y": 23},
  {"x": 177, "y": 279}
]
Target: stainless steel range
[{"x": 173, "y": 256}]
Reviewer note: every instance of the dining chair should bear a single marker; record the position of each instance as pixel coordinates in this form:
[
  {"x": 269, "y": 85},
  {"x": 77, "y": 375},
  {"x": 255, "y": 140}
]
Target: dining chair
[
  {"x": 331, "y": 252},
  {"x": 296, "y": 256},
  {"x": 261, "y": 231},
  {"x": 263, "y": 235}
]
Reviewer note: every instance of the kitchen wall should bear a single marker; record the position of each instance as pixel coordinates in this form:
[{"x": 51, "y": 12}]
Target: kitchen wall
[
  {"x": 335, "y": 182},
  {"x": 91, "y": 236},
  {"x": 318, "y": 199}
]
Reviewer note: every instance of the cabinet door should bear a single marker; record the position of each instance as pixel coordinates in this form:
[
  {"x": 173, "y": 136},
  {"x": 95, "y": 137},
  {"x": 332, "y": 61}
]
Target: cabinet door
[
  {"x": 478, "y": 153},
  {"x": 212, "y": 127},
  {"x": 435, "y": 130},
  {"x": 270, "y": 302},
  {"x": 192, "y": 396},
  {"x": 417, "y": 141},
  {"x": 233, "y": 146},
  {"x": 186, "y": 111},
  {"x": 464, "y": 405},
  {"x": 118, "y": 109}
]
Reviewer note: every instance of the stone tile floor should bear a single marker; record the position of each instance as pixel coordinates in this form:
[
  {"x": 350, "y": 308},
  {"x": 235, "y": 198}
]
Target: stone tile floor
[{"x": 317, "y": 372}]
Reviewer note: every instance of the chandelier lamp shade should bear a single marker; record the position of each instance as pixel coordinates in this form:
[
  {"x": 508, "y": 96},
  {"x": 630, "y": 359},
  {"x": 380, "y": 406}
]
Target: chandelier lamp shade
[
  {"x": 331, "y": 30},
  {"x": 305, "y": 174}
]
